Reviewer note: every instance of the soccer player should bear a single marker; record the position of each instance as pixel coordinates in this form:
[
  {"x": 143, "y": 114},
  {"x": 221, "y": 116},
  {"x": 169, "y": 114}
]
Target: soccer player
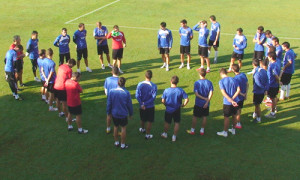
[
  {"x": 202, "y": 43},
  {"x": 275, "y": 43},
  {"x": 230, "y": 90},
  {"x": 146, "y": 94},
  {"x": 186, "y": 35},
  {"x": 203, "y": 90},
  {"x": 32, "y": 50},
  {"x": 287, "y": 70},
  {"x": 19, "y": 62},
  {"x": 118, "y": 44},
  {"x": 172, "y": 99},
  {"x": 109, "y": 84},
  {"x": 239, "y": 45},
  {"x": 260, "y": 87},
  {"x": 259, "y": 39},
  {"x": 74, "y": 104},
  {"x": 119, "y": 105},
  {"x": 49, "y": 74},
  {"x": 242, "y": 80},
  {"x": 62, "y": 42},
  {"x": 273, "y": 76},
  {"x": 268, "y": 42},
  {"x": 10, "y": 63},
  {"x": 164, "y": 43},
  {"x": 100, "y": 33},
  {"x": 64, "y": 72},
  {"x": 40, "y": 61},
  {"x": 79, "y": 38},
  {"x": 215, "y": 36}
]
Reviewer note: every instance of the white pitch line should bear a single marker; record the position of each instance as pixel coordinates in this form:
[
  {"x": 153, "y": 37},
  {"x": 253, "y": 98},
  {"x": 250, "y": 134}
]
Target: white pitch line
[{"x": 92, "y": 11}]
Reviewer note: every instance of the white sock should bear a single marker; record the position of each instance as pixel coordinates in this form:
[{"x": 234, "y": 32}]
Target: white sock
[
  {"x": 79, "y": 129},
  {"x": 208, "y": 68},
  {"x": 70, "y": 126},
  {"x": 188, "y": 64},
  {"x": 208, "y": 53},
  {"x": 43, "y": 97},
  {"x": 288, "y": 89},
  {"x": 108, "y": 128},
  {"x": 122, "y": 145},
  {"x": 283, "y": 88},
  {"x": 258, "y": 119},
  {"x": 229, "y": 69},
  {"x": 164, "y": 64},
  {"x": 117, "y": 143},
  {"x": 192, "y": 130},
  {"x": 173, "y": 137},
  {"x": 201, "y": 66},
  {"x": 202, "y": 130},
  {"x": 167, "y": 66},
  {"x": 216, "y": 55}
]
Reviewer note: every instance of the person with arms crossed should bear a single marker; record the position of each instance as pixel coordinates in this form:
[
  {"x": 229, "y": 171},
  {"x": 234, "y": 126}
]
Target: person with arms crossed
[
  {"x": 62, "y": 42},
  {"x": 259, "y": 40},
  {"x": 79, "y": 38},
  {"x": 214, "y": 37},
  {"x": 32, "y": 51},
  {"x": 119, "y": 106},
  {"x": 278, "y": 50},
  {"x": 164, "y": 43},
  {"x": 146, "y": 94},
  {"x": 268, "y": 42},
  {"x": 186, "y": 35},
  {"x": 203, "y": 89},
  {"x": 19, "y": 62},
  {"x": 172, "y": 99}
]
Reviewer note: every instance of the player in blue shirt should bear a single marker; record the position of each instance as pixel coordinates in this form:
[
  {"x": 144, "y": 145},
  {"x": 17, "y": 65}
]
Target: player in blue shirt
[
  {"x": 164, "y": 43},
  {"x": 10, "y": 64},
  {"x": 242, "y": 79},
  {"x": 215, "y": 36},
  {"x": 40, "y": 62},
  {"x": 275, "y": 43},
  {"x": 268, "y": 42},
  {"x": 119, "y": 105},
  {"x": 239, "y": 45},
  {"x": 62, "y": 42},
  {"x": 287, "y": 70},
  {"x": 32, "y": 50},
  {"x": 146, "y": 94},
  {"x": 230, "y": 90},
  {"x": 172, "y": 99},
  {"x": 203, "y": 90},
  {"x": 273, "y": 76},
  {"x": 259, "y": 40},
  {"x": 79, "y": 38},
  {"x": 186, "y": 35},
  {"x": 100, "y": 33},
  {"x": 202, "y": 43},
  {"x": 109, "y": 84},
  {"x": 49, "y": 74}
]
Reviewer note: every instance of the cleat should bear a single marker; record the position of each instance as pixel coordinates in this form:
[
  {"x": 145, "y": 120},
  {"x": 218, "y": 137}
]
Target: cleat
[
  {"x": 270, "y": 115},
  {"x": 125, "y": 147},
  {"x": 141, "y": 130},
  {"x": 222, "y": 133},
  {"x": 190, "y": 132},
  {"x": 53, "y": 109},
  {"x": 232, "y": 131},
  {"x": 188, "y": 67},
  {"x": 88, "y": 69},
  {"x": 163, "y": 66},
  {"x": 78, "y": 70},
  {"x": 256, "y": 121},
  {"x": 70, "y": 128},
  {"x": 109, "y": 65},
  {"x": 181, "y": 66},
  {"x": 208, "y": 71},
  {"x": 37, "y": 79},
  {"x": 83, "y": 131},
  {"x": 238, "y": 126},
  {"x": 108, "y": 131},
  {"x": 102, "y": 67},
  {"x": 173, "y": 138},
  {"x": 149, "y": 136},
  {"x": 164, "y": 135},
  {"x": 121, "y": 71}
]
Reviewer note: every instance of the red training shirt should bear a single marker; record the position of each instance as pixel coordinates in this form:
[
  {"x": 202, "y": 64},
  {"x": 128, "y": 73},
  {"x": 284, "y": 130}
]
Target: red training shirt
[
  {"x": 18, "y": 53},
  {"x": 117, "y": 40},
  {"x": 64, "y": 72},
  {"x": 73, "y": 93}
]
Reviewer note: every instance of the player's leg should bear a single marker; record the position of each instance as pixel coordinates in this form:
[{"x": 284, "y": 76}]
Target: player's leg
[
  {"x": 86, "y": 61},
  {"x": 108, "y": 123},
  {"x": 196, "y": 114},
  {"x": 143, "y": 119},
  {"x": 149, "y": 117},
  {"x": 258, "y": 112},
  {"x": 182, "y": 61},
  {"x": 176, "y": 116},
  {"x": 61, "y": 59},
  {"x": 167, "y": 57},
  {"x": 202, "y": 61},
  {"x": 79, "y": 56},
  {"x": 168, "y": 120},
  {"x": 231, "y": 63},
  {"x": 204, "y": 120},
  {"x": 240, "y": 63},
  {"x": 64, "y": 107},
  {"x": 123, "y": 124},
  {"x": 208, "y": 64},
  {"x": 288, "y": 90},
  {"x": 176, "y": 129},
  {"x": 100, "y": 54},
  {"x": 106, "y": 51},
  {"x": 116, "y": 136},
  {"x": 216, "y": 52}
]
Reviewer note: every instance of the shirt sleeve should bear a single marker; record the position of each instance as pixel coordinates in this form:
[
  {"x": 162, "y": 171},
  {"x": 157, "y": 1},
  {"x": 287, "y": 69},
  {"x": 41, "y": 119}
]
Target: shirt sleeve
[
  {"x": 129, "y": 105},
  {"x": 171, "y": 39},
  {"x": 123, "y": 38},
  {"x": 79, "y": 88},
  {"x": 221, "y": 85},
  {"x": 196, "y": 27},
  {"x": 109, "y": 35},
  {"x": 158, "y": 40},
  {"x": 74, "y": 38},
  {"x": 138, "y": 94},
  {"x": 28, "y": 46},
  {"x": 56, "y": 42},
  {"x": 184, "y": 94}
]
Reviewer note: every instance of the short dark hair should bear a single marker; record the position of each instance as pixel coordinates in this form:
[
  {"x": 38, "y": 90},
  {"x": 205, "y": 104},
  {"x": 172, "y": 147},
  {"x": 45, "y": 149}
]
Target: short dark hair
[
  {"x": 223, "y": 71},
  {"x": 72, "y": 61},
  {"x": 76, "y": 74},
  {"x": 272, "y": 55},
  {"x": 42, "y": 52},
  {"x": 34, "y": 32},
  {"x": 148, "y": 74},
  {"x": 183, "y": 21},
  {"x": 80, "y": 25},
  {"x": 268, "y": 32},
  {"x": 49, "y": 52},
  {"x": 163, "y": 24},
  {"x": 16, "y": 37},
  {"x": 272, "y": 49},
  {"x": 202, "y": 72},
  {"x": 204, "y": 22},
  {"x": 286, "y": 44},
  {"x": 261, "y": 28},
  {"x": 64, "y": 29},
  {"x": 115, "y": 70},
  {"x": 175, "y": 80},
  {"x": 116, "y": 26},
  {"x": 20, "y": 47},
  {"x": 265, "y": 62},
  {"x": 121, "y": 81},
  {"x": 275, "y": 39},
  {"x": 235, "y": 68},
  {"x": 100, "y": 22},
  {"x": 239, "y": 30},
  {"x": 255, "y": 62},
  {"x": 213, "y": 17}
]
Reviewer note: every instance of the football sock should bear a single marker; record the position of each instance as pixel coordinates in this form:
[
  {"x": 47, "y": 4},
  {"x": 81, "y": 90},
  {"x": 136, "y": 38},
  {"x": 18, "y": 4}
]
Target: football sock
[
  {"x": 192, "y": 130},
  {"x": 202, "y": 130},
  {"x": 283, "y": 88},
  {"x": 108, "y": 128},
  {"x": 70, "y": 126},
  {"x": 117, "y": 143},
  {"x": 80, "y": 129},
  {"x": 122, "y": 145},
  {"x": 216, "y": 55},
  {"x": 288, "y": 89},
  {"x": 208, "y": 53},
  {"x": 43, "y": 97},
  {"x": 258, "y": 119}
]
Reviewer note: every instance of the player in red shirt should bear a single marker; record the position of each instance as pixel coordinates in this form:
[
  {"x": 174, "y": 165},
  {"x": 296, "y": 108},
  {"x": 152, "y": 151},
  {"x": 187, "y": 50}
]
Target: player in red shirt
[
  {"x": 73, "y": 100},
  {"x": 64, "y": 72},
  {"x": 19, "y": 63},
  {"x": 118, "y": 43}
]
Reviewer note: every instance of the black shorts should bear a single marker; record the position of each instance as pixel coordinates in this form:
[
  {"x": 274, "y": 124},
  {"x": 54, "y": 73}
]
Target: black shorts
[
  {"x": 229, "y": 110},
  {"x": 237, "y": 56},
  {"x": 200, "y": 111},
  {"x": 64, "y": 56},
  {"x": 210, "y": 43},
  {"x": 82, "y": 52},
  {"x": 147, "y": 115},
  {"x": 102, "y": 49},
  {"x": 34, "y": 64},
  {"x": 240, "y": 104},
  {"x": 203, "y": 51},
  {"x": 164, "y": 50},
  {"x": 61, "y": 95},
  {"x": 272, "y": 92},
  {"x": 176, "y": 115},
  {"x": 120, "y": 121},
  {"x": 77, "y": 110},
  {"x": 185, "y": 49},
  {"x": 258, "y": 98},
  {"x": 117, "y": 53},
  {"x": 286, "y": 78},
  {"x": 50, "y": 87},
  {"x": 19, "y": 65},
  {"x": 259, "y": 55}
]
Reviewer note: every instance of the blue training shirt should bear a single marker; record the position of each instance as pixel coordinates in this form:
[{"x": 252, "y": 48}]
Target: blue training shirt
[
  {"x": 289, "y": 56},
  {"x": 269, "y": 42},
  {"x": 32, "y": 48},
  {"x": 203, "y": 34},
  {"x": 240, "y": 41},
  {"x": 262, "y": 38},
  {"x": 242, "y": 81},
  {"x": 273, "y": 70},
  {"x": 111, "y": 83},
  {"x": 102, "y": 32},
  {"x": 215, "y": 28},
  {"x": 165, "y": 38},
  {"x": 79, "y": 39},
  {"x": 173, "y": 98},
  {"x": 11, "y": 57},
  {"x": 185, "y": 36},
  {"x": 63, "y": 43},
  {"x": 146, "y": 93},
  {"x": 203, "y": 88},
  {"x": 279, "y": 56},
  {"x": 230, "y": 86},
  {"x": 40, "y": 63},
  {"x": 48, "y": 67},
  {"x": 260, "y": 81}
]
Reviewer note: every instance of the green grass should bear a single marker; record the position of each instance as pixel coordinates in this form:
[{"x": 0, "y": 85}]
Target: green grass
[{"x": 35, "y": 144}]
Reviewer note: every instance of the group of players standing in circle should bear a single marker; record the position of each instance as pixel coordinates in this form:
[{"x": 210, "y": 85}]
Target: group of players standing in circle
[{"x": 270, "y": 71}]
